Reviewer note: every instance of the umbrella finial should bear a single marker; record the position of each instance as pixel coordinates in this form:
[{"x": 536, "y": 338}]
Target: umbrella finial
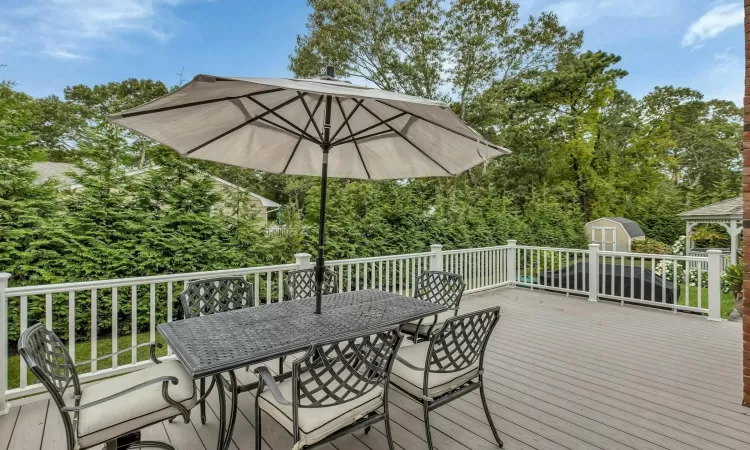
[{"x": 330, "y": 72}]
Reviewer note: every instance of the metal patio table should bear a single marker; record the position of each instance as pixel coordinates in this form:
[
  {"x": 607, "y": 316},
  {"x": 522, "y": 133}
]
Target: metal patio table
[{"x": 209, "y": 346}]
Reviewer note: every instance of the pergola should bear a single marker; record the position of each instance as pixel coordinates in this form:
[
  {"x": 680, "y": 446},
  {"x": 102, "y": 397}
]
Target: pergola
[{"x": 727, "y": 213}]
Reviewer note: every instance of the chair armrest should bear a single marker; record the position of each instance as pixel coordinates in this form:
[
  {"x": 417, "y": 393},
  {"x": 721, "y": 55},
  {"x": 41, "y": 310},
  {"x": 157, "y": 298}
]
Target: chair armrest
[
  {"x": 153, "y": 345},
  {"x": 267, "y": 379},
  {"x": 408, "y": 364},
  {"x": 163, "y": 380}
]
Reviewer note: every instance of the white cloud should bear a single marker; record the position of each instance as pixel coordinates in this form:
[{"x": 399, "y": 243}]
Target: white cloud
[
  {"x": 587, "y": 12},
  {"x": 718, "y": 19},
  {"x": 73, "y": 29}
]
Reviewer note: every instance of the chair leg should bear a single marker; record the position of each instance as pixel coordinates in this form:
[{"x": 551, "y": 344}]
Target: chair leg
[
  {"x": 203, "y": 404},
  {"x": 257, "y": 425},
  {"x": 487, "y": 412},
  {"x": 427, "y": 423},
  {"x": 388, "y": 427},
  {"x": 281, "y": 365}
]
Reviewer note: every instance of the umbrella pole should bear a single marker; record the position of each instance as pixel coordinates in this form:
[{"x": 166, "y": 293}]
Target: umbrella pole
[{"x": 320, "y": 261}]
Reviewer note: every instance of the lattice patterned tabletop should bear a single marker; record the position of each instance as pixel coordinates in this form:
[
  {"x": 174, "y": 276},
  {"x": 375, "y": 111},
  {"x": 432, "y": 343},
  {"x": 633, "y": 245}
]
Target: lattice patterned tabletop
[{"x": 217, "y": 343}]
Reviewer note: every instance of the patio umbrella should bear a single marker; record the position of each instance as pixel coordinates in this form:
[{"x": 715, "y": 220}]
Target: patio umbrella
[{"x": 324, "y": 127}]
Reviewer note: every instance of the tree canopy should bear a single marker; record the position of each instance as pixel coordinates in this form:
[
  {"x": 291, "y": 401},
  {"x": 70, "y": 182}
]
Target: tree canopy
[{"x": 582, "y": 148}]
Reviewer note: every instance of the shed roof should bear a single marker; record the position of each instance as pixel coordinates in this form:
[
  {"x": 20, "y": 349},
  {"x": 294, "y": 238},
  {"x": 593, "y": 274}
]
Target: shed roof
[
  {"x": 631, "y": 227},
  {"x": 725, "y": 208}
]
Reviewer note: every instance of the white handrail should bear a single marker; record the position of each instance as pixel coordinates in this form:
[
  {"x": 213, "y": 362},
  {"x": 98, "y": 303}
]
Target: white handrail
[{"x": 547, "y": 268}]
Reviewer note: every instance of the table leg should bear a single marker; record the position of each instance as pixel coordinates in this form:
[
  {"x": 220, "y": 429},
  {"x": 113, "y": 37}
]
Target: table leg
[{"x": 226, "y": 429}]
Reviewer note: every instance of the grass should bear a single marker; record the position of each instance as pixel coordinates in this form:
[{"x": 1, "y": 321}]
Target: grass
[
  {"x": 727, "y": 300},
  {"x": 83, "y": 353}
]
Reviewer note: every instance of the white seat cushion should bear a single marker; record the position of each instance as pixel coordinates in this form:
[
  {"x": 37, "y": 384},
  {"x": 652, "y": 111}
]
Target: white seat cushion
[
  {"x": 427, "y": 322},
  {"x": 439, "y": 383},
  {"x": 317, "y": 423},
  {"x": 135, "y": 410}
]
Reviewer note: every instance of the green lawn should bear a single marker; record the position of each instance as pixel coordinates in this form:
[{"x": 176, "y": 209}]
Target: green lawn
[
  {"x": 83, "y": 353},
  {"x": 727, "y": 300}
]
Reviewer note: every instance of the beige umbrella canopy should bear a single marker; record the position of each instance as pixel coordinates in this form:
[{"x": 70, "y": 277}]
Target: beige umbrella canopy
[{"x": 321, "y": 127}]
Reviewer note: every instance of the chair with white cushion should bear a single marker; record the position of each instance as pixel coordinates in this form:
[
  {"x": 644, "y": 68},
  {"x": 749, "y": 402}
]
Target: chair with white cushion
[
  {"x": 443, "y": 288},
  {"x": 213, "y": 296},
  {"x": 335, "y": 389},
  {"x": 301, "y": 283},
  {"x": 448, "y": 365},
  {"x": 112, "y": 411}
]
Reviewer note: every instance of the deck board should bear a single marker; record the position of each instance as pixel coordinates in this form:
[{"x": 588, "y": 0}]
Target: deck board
[{"x": 560, "y": 372}]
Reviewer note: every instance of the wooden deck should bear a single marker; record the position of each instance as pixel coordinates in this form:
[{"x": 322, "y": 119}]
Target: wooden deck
[{"x": 561, "y": 373}]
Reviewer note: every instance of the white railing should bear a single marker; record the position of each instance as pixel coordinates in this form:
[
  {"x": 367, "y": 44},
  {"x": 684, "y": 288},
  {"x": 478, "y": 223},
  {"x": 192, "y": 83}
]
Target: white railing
[
  {"x": 686, "y": 283},
  {"x": 129, "y": 309},
  {"x": 726, "y": 259},
  {"x": 481, "y": 269}
]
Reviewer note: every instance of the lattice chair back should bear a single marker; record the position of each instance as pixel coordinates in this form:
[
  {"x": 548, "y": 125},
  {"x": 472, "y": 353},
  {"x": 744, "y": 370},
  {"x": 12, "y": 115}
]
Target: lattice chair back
[
  {"x": 49, "y": 361},
  {"x": 301, "y": 283},
  {"x": 216, "y": 295},
  {"x": 343, "y": 371},
  {"x": 461, "y": 342},
  {"x": 444, "y": 288}
]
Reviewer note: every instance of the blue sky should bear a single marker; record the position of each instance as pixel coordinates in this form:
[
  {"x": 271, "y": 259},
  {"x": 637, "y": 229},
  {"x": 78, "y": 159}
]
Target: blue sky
[{"x": 49, "y": 44}]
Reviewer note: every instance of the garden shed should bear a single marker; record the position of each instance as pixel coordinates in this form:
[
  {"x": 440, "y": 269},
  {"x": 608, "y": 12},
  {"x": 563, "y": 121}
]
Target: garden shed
[
  {"x": 614, "y": 233},
  {"x": 727, "y": 213}
]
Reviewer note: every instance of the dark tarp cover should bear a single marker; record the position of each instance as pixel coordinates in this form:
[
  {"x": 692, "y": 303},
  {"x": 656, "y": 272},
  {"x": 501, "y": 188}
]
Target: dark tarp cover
[{"x": 566, "y": 278}]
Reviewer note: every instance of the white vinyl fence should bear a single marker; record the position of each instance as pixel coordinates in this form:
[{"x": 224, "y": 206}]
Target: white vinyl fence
[{"x": 130, "y": 308}]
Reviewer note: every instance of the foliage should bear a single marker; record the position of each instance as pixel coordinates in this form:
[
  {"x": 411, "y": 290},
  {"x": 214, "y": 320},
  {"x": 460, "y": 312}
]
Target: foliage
[
  {"x": 651, "y": 246},
  {"x": 732, "y": 278},
  {"x": 582, "y": 148}
]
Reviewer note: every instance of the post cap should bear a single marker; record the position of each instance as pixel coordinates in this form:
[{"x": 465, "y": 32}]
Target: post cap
[
  {"x": 5, "y": 276},
  {"x": 714, "y": 251},
  {"x": 302, "y": 255},
  {"x": 592, "y": 246},
  {"x": 436, "y": 246},
  {"x": 512, "y": 242}
]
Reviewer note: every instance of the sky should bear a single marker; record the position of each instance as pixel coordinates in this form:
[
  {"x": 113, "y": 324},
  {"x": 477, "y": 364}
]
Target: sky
[{"x": 49, "y": 44}]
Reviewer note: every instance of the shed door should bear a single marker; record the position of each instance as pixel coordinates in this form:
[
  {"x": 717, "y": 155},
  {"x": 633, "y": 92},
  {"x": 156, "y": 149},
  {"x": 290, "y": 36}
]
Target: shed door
[{"x": 606, "y": 237}]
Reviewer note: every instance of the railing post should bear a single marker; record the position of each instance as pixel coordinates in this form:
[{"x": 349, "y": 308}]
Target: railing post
[
  {"x": 303, "y": 260},
  {"x": 511, "y": 262},
  {"x": 4, "y": 406},
  {"x": 436, "y": 259},
  {"x": 714, "y": 284},
  {"x": 593, "y": 272}
]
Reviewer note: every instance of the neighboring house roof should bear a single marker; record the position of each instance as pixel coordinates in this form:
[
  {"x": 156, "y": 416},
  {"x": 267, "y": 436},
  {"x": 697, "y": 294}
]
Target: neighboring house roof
[
  {"x": 726, "y": 208},
  {"x": 631, "y": 227},
  {"x": 264, "y": 201},
  {"x": 48, "y": 170}
]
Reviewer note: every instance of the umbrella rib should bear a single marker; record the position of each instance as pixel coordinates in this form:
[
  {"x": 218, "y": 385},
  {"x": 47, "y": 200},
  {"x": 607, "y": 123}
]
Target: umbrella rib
[
  {"x": 473, "y": 138},
  {"x": 282, "y": 128},
  {"x": 202, "y": 102},
  {"x": 299, "y": 141},
  {"x": 408, "y": 140},
  {"x": 356, "y": 145},
  {"x": 346, "y": 120},
  {"x": 351, "y": 139},
  {"x": 247, "y": 122},
  {"x": 353, "y": 135},
  {"x": 285, "y": 120},
  {"x": 310, "y": 114}
]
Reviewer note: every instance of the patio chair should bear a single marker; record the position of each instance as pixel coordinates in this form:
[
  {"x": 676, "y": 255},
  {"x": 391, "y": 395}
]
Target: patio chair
[
  {"x": 301, "y": 283},
  {"x": 447, "y": 366},
  {"x": 112, "y": 411},
  {"x": 335, "y": 389},
  {"x": 211, "y": 296},
  {"x": 444, "y": 288}
]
